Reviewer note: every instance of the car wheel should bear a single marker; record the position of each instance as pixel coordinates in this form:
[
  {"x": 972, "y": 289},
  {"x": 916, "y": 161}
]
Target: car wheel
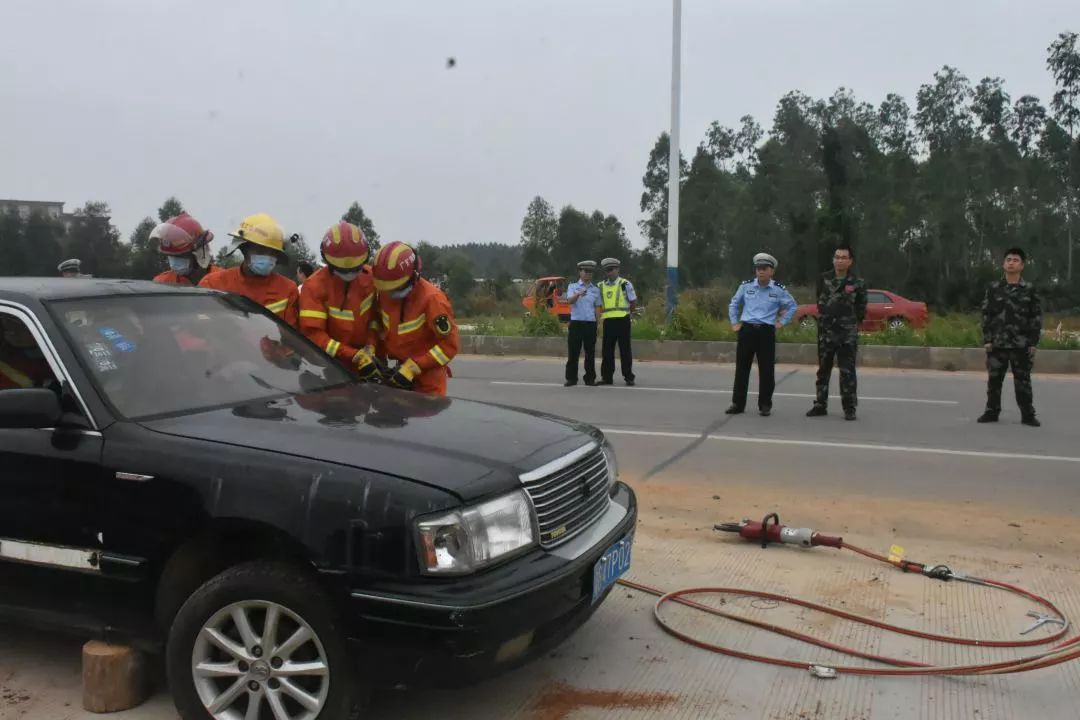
[
  {"x": 259, "y": 642},
  {"x": 808, "y": 322},
  {"x": 896, "y": 323}
]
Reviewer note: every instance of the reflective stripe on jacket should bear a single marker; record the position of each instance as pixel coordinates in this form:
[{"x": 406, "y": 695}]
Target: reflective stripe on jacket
[
  {"x": 338, "y": 316},
  {"x": 275, "y": 292}
]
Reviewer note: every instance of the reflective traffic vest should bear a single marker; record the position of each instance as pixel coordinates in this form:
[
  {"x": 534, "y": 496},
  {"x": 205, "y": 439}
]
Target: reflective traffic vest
[{"x": 616, "y": 304}]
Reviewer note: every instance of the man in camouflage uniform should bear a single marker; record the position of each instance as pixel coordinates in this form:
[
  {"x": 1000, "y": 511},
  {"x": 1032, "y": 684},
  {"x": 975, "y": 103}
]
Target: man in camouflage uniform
[
  {"x": 841, "y": 308},
  {"x": 1011, "y": 326}
]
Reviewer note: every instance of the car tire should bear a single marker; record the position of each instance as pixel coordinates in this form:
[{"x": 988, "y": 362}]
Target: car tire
[
  {"x": 319, "y": 666},
  {"x": 896, "y": 323},
  {"x": 808, "y": 322}
]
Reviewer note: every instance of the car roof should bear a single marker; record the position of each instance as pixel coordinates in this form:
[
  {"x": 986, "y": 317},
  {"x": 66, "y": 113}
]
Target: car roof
[{"x": 23, "y": 289}]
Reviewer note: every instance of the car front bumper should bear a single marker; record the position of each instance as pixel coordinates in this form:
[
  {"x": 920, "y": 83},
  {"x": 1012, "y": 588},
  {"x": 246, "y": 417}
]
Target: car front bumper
[{"x": 466, "y": 629}]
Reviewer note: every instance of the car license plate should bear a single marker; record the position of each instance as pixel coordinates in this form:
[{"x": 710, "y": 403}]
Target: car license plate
[{"x": 609, "y": 568}]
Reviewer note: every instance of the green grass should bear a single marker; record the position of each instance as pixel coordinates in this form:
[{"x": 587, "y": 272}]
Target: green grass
[{"x": 696, "y": 318}]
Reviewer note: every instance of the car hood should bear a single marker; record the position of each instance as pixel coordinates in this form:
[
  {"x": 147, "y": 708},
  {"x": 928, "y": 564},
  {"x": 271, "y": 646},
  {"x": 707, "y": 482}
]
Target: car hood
[{"x": 471, "y": 449}]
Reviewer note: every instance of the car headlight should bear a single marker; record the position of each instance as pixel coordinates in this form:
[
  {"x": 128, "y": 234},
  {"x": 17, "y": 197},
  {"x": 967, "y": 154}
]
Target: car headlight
[
  {"x": 612, "y": 464},
  {"x": 466, "y": 540}
]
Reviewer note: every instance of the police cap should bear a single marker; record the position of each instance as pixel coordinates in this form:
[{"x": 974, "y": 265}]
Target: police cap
[
  {"x": 72, "y": 265},
  {"x": 587, "y": 265},
  {"x": 610, "y": 263},
  {"x": 764, "y": 259}
]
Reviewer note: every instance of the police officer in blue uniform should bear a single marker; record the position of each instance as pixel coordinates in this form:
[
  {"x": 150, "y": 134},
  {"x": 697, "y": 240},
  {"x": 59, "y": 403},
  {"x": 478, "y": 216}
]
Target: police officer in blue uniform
[
  {"x": 585, "y": 305},
  {"x": 758, "y": 309}
]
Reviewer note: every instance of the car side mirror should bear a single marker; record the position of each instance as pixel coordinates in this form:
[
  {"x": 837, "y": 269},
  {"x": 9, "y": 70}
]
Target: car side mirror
[{"x": 31, "y": 408}]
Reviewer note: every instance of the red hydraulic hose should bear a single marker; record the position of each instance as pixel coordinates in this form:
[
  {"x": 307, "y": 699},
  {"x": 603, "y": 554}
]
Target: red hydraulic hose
[{"x": 1063, "y": 651}]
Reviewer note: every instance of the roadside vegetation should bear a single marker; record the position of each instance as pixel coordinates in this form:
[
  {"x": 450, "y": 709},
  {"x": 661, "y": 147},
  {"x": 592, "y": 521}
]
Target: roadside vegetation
[{"x": 702, "y": 315}]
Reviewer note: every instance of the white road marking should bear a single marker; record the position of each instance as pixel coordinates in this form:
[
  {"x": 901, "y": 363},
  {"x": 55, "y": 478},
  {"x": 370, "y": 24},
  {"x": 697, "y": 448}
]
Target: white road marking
[
  {"x": 706, "y": 391},
  {"x": 848, "y": 446}
]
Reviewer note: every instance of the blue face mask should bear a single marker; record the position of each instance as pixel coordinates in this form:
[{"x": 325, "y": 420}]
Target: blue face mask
[
  {"x": 262, "y": 264},
  {"x": 402, "y": 293},
  {"x": 180, "y": 265}
]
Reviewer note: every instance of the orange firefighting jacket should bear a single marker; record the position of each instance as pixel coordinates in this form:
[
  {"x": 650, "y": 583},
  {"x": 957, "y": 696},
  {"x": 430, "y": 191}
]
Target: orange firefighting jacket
[
  {"x": 338, "y": 317},
  {"x": 170, "y": 278},
  {"x": 275, "y": 292},
  {"x": 420, "y": 328}
]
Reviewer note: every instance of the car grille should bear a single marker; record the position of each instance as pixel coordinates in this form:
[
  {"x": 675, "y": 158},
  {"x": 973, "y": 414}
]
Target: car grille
[{"x": 571, "y": 496}]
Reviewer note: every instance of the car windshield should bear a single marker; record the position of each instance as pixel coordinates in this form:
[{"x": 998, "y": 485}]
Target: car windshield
[{"x": 174, "y": 354}]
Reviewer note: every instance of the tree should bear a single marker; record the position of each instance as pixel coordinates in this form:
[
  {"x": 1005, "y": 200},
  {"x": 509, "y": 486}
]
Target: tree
[
  {"x": 1029, "y": 116},
  {"x": 42, "y": 235},
  {"x": 96, "y": 242},
  {"x": 432, "y": 258},
  {"x": 355, "y": 215},
  {"x": 146, "y": 261},
  {"x": 459, "y": 279},
  {"x": 13, "y": 260},
  {"x": 1064, "y": 63},
  {"x": 946, "y": 126},
  {"x": 170, "y": 208},
  {"x": 654, "y": 200},
  {"x": 539, "y": 230},
  {"x": 297, "y": 250},
  {"x": 930, "y": 196},
  {"x": 225, "y": 259}
]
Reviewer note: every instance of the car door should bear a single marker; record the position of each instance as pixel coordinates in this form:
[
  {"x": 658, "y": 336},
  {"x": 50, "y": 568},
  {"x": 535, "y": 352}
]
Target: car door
[
  {"x": 876, "y": 303},
  {"x": 48, "y": 480}
]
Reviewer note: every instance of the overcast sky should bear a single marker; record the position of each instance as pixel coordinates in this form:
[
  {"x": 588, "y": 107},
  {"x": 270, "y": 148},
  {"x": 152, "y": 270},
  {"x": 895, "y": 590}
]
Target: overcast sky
[{"x": 298, "y": 108}]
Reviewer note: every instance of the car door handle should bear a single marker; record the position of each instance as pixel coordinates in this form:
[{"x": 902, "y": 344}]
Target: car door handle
[{"x": 133, "y": 477}]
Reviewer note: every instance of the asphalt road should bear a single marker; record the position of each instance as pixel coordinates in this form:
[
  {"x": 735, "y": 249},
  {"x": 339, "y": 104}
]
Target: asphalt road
[
  {"x": 915, "y": 436},
  {"x": 998, "y": 500}
]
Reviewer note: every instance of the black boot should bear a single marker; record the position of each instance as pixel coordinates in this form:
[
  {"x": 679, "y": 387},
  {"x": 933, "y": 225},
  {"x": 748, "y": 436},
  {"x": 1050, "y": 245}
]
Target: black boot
[
  {"x": 988, "y": 417},
  {"x": 817, "y": 411}
]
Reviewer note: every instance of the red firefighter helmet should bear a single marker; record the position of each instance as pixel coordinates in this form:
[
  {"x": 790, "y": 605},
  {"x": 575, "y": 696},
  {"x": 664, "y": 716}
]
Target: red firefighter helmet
[
  {"x": 181, "y": 235},
  {"x": 344, "y": 247},
  {"x": 395, "y": 265}
]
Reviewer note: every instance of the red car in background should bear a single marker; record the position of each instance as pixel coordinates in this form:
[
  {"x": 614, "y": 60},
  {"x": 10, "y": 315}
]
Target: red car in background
[{"x": 884, "y": 309}]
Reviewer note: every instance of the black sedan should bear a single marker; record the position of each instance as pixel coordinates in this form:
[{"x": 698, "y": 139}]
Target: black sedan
[{"x": 182, "y": 471}]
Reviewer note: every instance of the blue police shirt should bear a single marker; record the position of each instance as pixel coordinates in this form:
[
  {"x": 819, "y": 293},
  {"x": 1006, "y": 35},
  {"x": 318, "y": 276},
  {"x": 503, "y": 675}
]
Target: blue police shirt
[
  {"x": 585, "y": 306},
  {"x": 760, "y": 305}
]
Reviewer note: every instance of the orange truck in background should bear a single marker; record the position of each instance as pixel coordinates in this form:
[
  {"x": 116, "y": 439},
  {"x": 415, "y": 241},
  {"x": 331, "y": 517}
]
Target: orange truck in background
[{"x": 550, "y": 294}]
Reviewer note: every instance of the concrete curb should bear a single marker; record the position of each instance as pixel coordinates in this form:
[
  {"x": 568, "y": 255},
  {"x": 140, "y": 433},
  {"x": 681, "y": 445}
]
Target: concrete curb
[{"x": 880, "y": 356}]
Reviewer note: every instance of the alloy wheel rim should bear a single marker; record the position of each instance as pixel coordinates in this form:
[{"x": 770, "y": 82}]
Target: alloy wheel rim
[{"x": 258, "y": 660}]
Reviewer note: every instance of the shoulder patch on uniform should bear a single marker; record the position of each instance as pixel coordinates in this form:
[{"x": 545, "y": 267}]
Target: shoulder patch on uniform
[
  {"x": 779, "y": 285},
  {"x": 744, "y": 282},
  {"x": 443, "y": 324}
]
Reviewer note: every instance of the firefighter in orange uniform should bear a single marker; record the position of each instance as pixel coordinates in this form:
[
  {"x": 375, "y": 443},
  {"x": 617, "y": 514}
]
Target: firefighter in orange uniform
[
  {"x": 337, "y": 302},
  {"x": 262, "y": 243},
  {"x": 417, "y": 323},
  {"x": 186, "y": 245}
]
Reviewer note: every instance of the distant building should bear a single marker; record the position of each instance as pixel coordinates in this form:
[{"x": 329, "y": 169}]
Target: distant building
[
  {"x": 49, "y": 208},
  {"x": 25, "y": 207}
]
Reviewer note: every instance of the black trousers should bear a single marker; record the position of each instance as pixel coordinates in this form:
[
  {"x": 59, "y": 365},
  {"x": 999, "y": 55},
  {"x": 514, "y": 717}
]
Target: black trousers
[
  {"x": 581, "y": 334},
  {"x": 616, "y": 331},
  {"x": 759, "y": 341}
]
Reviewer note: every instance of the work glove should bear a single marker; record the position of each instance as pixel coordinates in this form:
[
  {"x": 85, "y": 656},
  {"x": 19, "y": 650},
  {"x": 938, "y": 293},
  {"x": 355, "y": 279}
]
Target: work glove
[
  {"x": 405, "y": 375},
  {"x": 366, "y": 366}
]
